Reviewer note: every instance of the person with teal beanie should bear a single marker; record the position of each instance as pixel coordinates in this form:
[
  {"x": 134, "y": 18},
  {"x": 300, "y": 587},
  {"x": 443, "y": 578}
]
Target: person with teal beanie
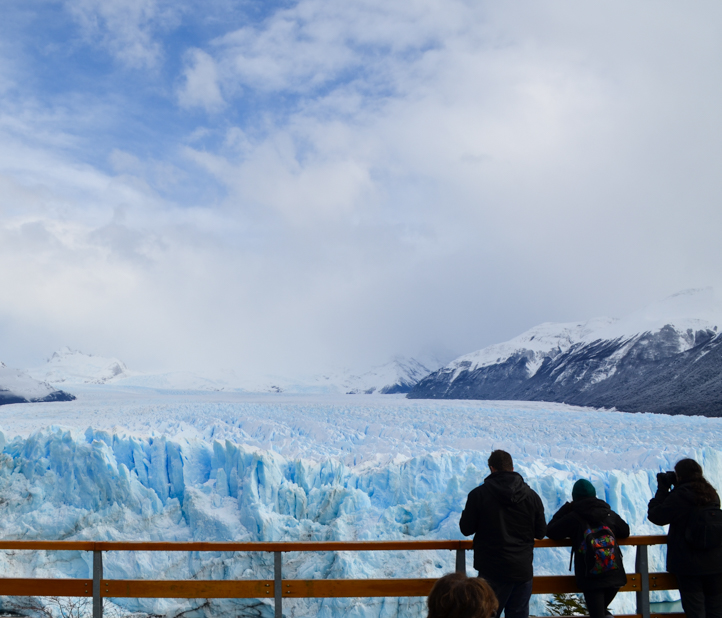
[{"x": 583, "y": 519}]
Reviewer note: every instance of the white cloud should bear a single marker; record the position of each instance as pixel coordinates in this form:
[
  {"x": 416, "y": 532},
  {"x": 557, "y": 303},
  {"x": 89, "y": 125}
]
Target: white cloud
[
  {"x": 126, "y": 28},
  {"x": 313, "y": 43},
  {"x": 200, "y": 83},
  {"x": 419, "y": 173}
]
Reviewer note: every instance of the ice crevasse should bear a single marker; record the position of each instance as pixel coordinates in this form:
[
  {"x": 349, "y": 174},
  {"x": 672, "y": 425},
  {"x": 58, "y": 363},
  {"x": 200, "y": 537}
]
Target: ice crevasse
[{"x": 58, "y": 484}]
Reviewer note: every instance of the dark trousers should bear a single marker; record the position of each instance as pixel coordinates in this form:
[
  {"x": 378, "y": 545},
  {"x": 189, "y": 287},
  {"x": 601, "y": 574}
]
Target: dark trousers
[
  {"x": 701, "y": 595},
  {"x": 513, "y": 597},
  {"x": 598, "y": 600}
]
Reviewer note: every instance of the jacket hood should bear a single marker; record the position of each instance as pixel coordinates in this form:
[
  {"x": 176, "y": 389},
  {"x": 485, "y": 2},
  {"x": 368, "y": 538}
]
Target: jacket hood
[
  {"x": 507, "y": 487},
  {"x": 591, "y": 509},
  {"x": 697, "y": 494}
]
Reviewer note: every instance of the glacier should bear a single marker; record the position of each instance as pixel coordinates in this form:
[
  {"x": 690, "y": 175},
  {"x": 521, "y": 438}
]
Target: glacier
[{"x": 123, "y": 463}]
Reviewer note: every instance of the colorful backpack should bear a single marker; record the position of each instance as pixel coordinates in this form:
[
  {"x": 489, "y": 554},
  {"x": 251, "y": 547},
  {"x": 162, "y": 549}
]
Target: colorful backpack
[{"x": 599, "y": 550}]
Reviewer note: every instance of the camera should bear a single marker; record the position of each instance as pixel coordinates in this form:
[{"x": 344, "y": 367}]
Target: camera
[{"x": 666, "y": 479}]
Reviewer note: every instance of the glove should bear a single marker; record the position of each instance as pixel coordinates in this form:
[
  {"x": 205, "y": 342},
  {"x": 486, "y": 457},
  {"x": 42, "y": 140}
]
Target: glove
[{"x": 665, "y": 480}]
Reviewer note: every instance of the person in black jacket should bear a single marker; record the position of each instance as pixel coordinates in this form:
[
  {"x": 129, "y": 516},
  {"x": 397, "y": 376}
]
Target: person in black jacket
[
  {"x": 698, "y": 571},
  {"x": 586, "y": 512},
  {"x": 505, "y": 516}
]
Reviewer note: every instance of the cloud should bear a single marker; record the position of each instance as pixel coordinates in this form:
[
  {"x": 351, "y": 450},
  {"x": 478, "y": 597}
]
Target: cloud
[
  {"x": 125, "y": 28},
  {"x": 200, "y": 83},
  {"x": 373, "y": 178},
  {"x": 314, "y": 44}
]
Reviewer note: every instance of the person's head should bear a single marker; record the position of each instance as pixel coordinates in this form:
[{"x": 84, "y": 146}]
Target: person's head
[
  {"x": 583, "y": 489},
  {"x": 500, "y": 461},
  {"x": 689, "y": 473},
  {"x": 688, "y": 470},
  {"x": 457, "y": 596}
]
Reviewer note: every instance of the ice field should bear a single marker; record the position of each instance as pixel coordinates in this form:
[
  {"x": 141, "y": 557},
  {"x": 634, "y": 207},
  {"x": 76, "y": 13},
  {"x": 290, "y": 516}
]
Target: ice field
[{"x": 140, "y": 464}]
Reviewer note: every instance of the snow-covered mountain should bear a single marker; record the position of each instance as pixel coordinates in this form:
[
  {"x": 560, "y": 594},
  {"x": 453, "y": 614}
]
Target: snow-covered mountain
[
  {"x": 68, "y": 366},
  {"x": 16, "y": 386},
  {"x": 396, "y": 376},
  {"x": 665, "y": 358}
]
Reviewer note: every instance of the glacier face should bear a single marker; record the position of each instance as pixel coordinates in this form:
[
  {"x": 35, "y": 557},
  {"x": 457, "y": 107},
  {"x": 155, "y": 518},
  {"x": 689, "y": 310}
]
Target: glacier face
[{"x": 135, "y": 464}]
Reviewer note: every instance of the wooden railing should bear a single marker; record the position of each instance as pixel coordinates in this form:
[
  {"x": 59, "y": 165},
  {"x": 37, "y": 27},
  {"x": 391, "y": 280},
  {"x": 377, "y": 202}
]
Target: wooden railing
[{"x": 641, "y": 581}]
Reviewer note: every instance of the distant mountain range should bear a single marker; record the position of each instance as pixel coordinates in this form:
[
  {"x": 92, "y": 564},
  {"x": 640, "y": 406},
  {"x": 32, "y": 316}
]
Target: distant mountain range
[
  {"x": 395, "y": 376},
  {"x": 69, "y": 368},
  {"x": 16, "y": 386},
  {"x": 666, "y": 359}
]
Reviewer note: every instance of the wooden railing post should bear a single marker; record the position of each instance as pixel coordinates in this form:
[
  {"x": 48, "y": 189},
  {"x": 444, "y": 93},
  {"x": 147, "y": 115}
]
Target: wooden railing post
[
  {"x": 641, "y": 566},
  {"x": 461, "y": 561},
  {"x": 97, "y": 577},
  {"x": 278, "y": 584}
]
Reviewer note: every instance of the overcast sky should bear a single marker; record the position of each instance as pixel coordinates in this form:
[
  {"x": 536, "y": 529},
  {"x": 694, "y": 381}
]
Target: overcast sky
[{"x": 287, "y": 186}]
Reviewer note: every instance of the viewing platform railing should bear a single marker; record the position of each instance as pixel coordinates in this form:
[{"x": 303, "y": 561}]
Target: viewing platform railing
[{"x": 641, "y": 581}]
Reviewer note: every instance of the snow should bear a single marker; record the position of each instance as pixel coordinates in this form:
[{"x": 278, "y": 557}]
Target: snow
[
  {"x": 697, "y": 309},
  {"x": 126, "y": 462},
  {"x": 67, "y": 367},
  {"x": 548, "y": 339},
  {"x": 19, "y": 383}
]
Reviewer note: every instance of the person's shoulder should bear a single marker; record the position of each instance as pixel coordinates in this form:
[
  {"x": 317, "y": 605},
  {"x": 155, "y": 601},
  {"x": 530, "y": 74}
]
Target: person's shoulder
[
  {"x": 682, "y": 493},
  {"x": 531, "y": 496},
  {"x": 477, "y": 491},
  {"x": 529, "y": 491}
]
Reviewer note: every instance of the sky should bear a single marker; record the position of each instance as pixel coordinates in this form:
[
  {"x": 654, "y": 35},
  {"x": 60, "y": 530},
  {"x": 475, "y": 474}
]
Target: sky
[{"x": 303, "y": 185}]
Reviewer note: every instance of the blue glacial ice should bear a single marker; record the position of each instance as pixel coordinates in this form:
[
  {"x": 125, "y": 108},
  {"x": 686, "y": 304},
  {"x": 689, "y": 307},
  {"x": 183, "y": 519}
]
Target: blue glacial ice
[{"x": 149, "y": 466}]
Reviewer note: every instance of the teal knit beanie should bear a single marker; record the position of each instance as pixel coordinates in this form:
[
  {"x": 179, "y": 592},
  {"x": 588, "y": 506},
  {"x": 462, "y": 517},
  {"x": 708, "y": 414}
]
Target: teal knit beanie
[{"x": 583, "y": 489}]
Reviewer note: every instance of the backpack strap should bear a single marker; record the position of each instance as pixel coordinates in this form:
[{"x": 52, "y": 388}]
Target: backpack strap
[{"x": 586, "y": 524}]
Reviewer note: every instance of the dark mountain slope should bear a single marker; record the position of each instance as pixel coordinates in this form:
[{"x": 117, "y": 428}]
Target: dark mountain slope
[{"x": 651, "y": 372}]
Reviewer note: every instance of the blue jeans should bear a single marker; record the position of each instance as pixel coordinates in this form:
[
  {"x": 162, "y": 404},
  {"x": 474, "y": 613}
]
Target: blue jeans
[{"x": 513, "y": 597}]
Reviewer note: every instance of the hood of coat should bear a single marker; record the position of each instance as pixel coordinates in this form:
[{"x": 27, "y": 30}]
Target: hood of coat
[
  {"x": 591, "y": 509},
  {"x": 507, "y": 487},
  {"x": 697, "y": 494}
]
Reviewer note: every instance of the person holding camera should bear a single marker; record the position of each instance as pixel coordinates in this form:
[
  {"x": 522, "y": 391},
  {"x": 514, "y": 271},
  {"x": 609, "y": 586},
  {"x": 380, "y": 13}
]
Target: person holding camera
[
  {"x": 696, "y": 563},
  {"x": 594, "y": 528}
]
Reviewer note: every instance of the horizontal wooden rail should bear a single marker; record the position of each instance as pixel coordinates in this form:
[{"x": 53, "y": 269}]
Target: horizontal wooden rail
[
  {"x": 193, "y": 589},
  {"x": 46, "y": 587},
  {"x": 299, "y": 588}
]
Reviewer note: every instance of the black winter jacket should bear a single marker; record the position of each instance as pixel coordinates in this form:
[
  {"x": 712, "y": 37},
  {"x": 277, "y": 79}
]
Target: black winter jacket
[
  {"x": 572, "y": 520},
  {"x": 674, "y": 508},
  {"x": 505, "y": 515}
]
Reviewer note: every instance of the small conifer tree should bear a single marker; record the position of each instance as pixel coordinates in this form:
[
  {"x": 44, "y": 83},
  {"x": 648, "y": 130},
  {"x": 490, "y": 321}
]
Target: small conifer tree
[{"x": 566, "y": 604}]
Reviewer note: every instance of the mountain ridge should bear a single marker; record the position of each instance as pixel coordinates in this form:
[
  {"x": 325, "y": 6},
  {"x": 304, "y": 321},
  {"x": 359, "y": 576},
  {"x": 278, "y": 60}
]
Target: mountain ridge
[
  {"x": 673, "y": 366},
  {"x": 71, "y": 367},
  {"x": 16, "y": 386}
]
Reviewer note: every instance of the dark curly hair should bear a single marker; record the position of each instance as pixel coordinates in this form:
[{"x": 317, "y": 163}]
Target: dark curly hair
[
  {"x": 501, "y": 460},
  {"x": 689, "y": 472},
  {"x": 457, "y": 596}
]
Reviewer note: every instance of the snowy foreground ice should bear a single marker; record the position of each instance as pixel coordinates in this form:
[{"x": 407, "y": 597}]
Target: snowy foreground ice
[{"x": 138, "y": 464}]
